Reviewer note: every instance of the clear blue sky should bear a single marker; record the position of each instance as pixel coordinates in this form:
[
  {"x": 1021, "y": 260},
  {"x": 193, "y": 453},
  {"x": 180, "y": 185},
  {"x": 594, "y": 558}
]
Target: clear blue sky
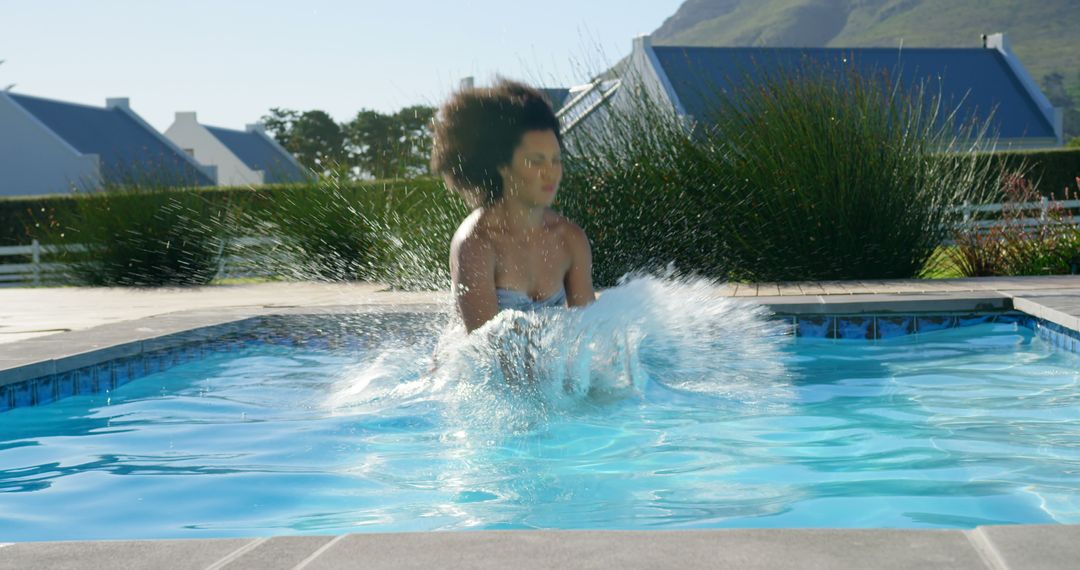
[{"x": 232, "y": 60}]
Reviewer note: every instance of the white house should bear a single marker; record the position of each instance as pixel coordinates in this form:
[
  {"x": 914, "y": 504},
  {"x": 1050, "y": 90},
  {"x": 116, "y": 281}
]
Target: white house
[
  {"x": 977, "y": 81},
  {"x": 49, "y": 147},
  {"x": 242, "y": 158}
]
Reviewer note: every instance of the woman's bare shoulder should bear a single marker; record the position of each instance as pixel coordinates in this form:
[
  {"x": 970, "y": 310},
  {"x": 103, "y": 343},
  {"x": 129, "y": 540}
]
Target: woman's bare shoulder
[
  {"x": 472, "y": 236},
  {"x": 568, "y": 230}
]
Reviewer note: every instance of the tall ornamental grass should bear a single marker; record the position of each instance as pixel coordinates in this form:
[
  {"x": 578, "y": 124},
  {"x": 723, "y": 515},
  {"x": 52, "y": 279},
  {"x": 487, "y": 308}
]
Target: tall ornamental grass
[{"x": 815, "y": 174}]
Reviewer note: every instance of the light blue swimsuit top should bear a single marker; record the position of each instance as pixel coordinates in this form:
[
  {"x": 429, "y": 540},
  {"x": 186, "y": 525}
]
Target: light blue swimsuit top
[{"x": 514, "y": 299}]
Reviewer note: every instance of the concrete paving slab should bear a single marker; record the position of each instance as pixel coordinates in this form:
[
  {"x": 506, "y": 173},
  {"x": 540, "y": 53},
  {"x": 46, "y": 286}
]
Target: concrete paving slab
[
  {"x": 1060, "y": 310},
  {"x": 810, "y": 288},
  {"x": 768, "y": 289},
  {"x": 279, "y": 552},
  {"x": 14, "y": 370},
  {"x": 789, "y": 290},
  {"x": 743, "y": 548},
  {"x": 1031, "y": 546},
  {"x": 837, "y": 287},
  {"x": 118, "y": 555}
]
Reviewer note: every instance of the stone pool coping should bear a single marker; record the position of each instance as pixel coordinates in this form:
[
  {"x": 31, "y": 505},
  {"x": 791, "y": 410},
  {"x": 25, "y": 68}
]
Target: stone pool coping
[
  {"x": 1056, "y": 300},
  {"x": 986, "y": 547}
]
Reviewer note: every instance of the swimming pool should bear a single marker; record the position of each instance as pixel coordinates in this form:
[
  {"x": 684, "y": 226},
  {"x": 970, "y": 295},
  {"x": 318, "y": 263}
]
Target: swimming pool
[{"x": 295, "y": 426}]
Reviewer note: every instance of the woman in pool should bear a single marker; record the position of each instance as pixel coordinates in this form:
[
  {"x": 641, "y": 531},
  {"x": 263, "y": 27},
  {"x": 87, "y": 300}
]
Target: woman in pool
[{"x": 500, "y": 149}]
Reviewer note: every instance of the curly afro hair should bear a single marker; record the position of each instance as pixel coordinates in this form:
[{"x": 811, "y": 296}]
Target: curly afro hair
[{"x": 477, "y": 130}]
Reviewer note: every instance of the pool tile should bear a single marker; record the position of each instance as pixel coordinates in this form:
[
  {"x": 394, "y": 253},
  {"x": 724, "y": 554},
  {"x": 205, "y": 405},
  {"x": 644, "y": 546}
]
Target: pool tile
[
  {"x": 84, "y": 383},
  {"x": 45, "y": 390},
  {"x": 6, "y": 399},
  {"x": 121, "y": 373},
  {"x": 789, "y": 326},
  {"x": 23, "y": 394},
  {"x": 936, "y": 323},
  {"x": 102, "y": 376},
  {"x": 891, "y": 327},
  {"x": 816, "y": 327},
  {"x": 855, "y": 328},
  {"x": 973, "y": 319},
  {"x": 1028, "y": 321},
  {"x": 1057, "y": 336},
  {"x": 66, "y": 384},
  {"x": 109, "y": 375}
]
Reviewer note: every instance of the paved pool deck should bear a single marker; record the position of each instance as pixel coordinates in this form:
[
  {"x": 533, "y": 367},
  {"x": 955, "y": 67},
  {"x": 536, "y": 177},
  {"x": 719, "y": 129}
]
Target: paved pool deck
[{"x": 49, "y": 330}]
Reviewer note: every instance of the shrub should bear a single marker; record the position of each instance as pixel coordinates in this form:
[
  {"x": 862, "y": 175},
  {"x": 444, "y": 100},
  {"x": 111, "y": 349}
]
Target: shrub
[
  {"x": 394, "y": 232},
  {"x": 323, "y": 234},
  {"x": 416, "y": 232},
  {"x": 1051, "y": 172},
  {"x": 140, "y": 236},
  {"x": 808, "y": 175},
  {"x": 1023, "y": 243}
]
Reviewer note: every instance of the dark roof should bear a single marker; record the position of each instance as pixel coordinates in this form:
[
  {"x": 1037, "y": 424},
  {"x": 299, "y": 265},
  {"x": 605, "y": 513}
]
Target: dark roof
[
  {"x": 259, "y": 154},
  {"x": 979, "y": 80},
  {"x": 557, "y": 96},
  {"x": 129, "y": 151}
]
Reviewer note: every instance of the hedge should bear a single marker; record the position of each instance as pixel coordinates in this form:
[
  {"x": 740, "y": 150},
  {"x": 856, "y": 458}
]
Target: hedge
[{"x": 1052, "y": 170}]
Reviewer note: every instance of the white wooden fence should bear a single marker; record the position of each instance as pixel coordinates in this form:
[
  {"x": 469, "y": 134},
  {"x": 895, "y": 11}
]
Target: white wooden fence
[
  {"x": 245, "y": 257},
  {"x": 1042, "y": 206},
  {"x": 264, "y": 257}
]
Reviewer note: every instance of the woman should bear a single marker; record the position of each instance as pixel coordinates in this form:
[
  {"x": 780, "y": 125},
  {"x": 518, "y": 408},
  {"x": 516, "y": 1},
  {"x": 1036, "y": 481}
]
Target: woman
[{"x": 500, "y": 149}]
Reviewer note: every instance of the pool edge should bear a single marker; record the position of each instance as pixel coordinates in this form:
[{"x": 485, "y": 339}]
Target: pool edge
[
  {"x": 1015, "y": 546},
  {"x": 997, "y": 547},
  {"x": 59, "y": 353}
]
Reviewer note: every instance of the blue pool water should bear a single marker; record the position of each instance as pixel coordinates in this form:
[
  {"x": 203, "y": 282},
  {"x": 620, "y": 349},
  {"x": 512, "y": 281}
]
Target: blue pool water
[{"x": 949, "y": 429}]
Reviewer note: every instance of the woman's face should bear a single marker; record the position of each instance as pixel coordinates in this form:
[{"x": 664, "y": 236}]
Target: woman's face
[{"x": 535, "y": 171}]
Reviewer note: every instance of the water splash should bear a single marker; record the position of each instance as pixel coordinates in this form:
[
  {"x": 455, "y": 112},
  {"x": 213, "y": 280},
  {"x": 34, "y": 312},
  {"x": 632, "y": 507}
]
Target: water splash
[{"x": 647, "y": 337}]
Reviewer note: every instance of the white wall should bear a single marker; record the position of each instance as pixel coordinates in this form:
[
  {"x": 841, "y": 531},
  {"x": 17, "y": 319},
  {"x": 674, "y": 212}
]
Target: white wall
[
  {"x": 187, "y": 133},
  {"x": 34, "y": 160}
]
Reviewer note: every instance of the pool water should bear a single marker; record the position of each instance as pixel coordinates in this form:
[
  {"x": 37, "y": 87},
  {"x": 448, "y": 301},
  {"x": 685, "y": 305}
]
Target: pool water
[{"x": 950, "y": 429}]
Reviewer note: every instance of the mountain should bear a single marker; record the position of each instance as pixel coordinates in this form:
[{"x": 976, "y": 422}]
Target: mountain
[{"x": 1045, "y": 34}]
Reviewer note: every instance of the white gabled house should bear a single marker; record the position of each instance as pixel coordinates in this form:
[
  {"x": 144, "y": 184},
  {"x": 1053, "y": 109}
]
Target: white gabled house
[
  {"x": 242, "y": 158},
  {"x": 979, "y": 82},
  {"x": 52, "y": 147}
]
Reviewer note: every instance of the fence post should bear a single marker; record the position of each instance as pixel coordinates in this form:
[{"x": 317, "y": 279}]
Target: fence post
[
  {"x": 967, "y": 211},
  {"x": 1044, "y": 208},
  {"x": 35, "y": 256},
  {"x": 221, "y": 260}
]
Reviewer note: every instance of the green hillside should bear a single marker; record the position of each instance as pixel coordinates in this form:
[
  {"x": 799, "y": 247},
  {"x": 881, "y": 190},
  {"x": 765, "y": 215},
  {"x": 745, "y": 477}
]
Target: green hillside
[{"x": 1045, "y": 34}]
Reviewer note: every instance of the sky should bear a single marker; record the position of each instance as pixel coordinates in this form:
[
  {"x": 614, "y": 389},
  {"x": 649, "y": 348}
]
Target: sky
[{"x": 231, "y": 61}]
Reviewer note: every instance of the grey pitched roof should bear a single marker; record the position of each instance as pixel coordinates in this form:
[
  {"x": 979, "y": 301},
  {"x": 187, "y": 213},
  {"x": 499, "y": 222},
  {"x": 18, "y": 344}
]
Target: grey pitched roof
[
  {"x": 978, "y": 80},
  {"x": 128, "y": 151},
  {"x": 578, "y": 107},
  {"x": 258, "y": 154},
  {"x": 557, "y": 96}
]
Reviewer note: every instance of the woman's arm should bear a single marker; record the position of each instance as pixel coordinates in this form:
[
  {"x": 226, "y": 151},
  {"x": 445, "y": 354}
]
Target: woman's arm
[
  {"x": 472, "y": 272},
  {"x": 578, "y": 281}
]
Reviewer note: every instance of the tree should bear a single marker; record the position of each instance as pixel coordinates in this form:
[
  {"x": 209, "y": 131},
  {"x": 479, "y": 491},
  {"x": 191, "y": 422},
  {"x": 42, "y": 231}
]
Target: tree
[
  {"x": 313, "y": 137},
  {"x": 279, "y": 124},
  {"x": 1054, "y": 86},
  {"x": 373, "y": 144},
  {"x": 391, "y": 146}
]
